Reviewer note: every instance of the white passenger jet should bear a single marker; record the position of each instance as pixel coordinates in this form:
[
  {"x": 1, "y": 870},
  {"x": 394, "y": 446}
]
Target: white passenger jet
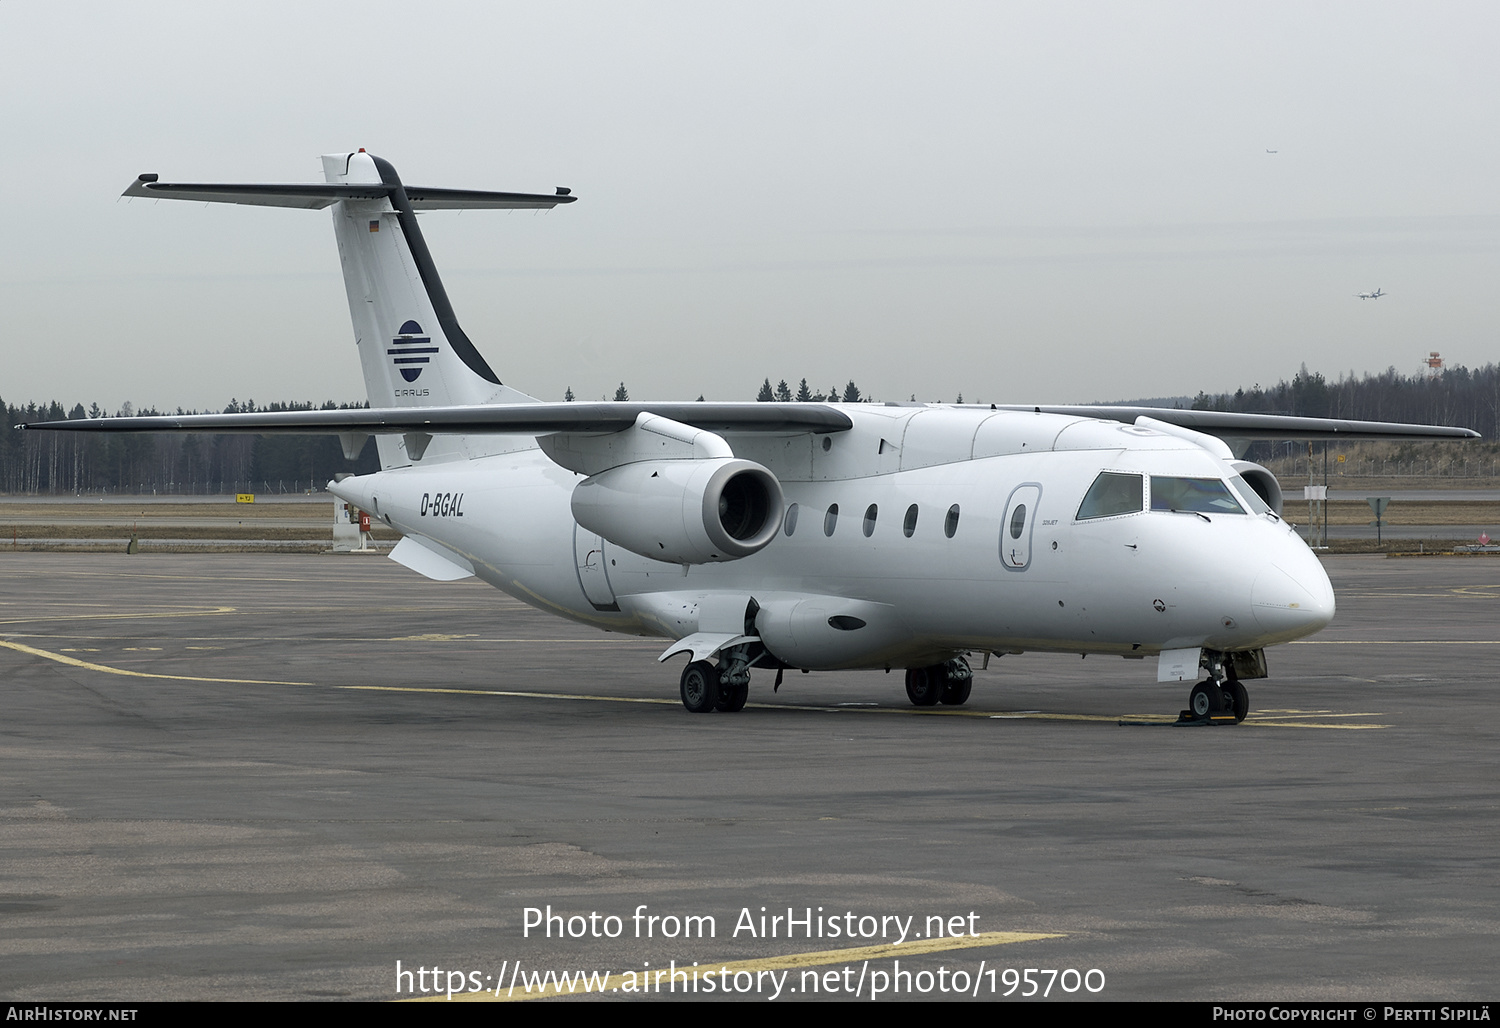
[
  {"x": 807, "y": 536},
  {"x": 1377, "y": 294}
]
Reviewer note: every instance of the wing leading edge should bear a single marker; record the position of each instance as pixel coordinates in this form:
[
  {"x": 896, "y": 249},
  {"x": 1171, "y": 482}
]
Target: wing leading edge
[
  {"x": 1252, "y": 427},
  {"x": 606, "y": 417},
  {"x": 520, "y": 418}
]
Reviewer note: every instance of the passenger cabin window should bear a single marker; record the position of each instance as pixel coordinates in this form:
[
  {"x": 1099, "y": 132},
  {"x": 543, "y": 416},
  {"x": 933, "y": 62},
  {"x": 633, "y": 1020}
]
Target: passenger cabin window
[
  {"x": 831, "y": 519},
  {"x": 910, "y": 524},
  {"x": 1018, "y": 521},
  {"x": 789, "y": 523},
  {"x": 870, "y": 513},
  {"x": 1197, "y": 495},
  {"x": 1112, "y": 494},
  {"x": 950, "y": 524}
]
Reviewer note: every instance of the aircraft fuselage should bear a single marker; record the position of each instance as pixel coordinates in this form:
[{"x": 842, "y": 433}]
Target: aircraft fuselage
[{"x": 919, "y": 534}]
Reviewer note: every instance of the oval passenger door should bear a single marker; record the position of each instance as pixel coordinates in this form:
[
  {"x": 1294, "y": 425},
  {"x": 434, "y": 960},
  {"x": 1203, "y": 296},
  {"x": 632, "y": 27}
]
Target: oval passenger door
[{"x": 1015, "y": 527}]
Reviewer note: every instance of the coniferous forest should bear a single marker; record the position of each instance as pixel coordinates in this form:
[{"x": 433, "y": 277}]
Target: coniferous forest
[
  {"x": 183, "y": 464},
  {"x": 1456, "y": 396}
]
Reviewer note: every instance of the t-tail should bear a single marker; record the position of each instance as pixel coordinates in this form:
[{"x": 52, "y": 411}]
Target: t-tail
[{"x": 411, "y": 348}]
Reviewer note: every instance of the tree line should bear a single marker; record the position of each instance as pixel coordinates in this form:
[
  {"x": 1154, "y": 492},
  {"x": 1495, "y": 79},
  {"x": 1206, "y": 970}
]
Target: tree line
[
  {"x": 781, "y": 392},
  {"x": 1457, "y": 397},
  {"x": 168, "y": 462}
]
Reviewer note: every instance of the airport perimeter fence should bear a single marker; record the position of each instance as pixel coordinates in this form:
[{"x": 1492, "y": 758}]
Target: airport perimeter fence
[{"x": 1457, "y": 466}]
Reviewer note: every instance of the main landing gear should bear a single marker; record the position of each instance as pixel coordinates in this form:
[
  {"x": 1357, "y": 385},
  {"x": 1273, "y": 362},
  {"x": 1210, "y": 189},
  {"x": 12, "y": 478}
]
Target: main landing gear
[
  {"x": 725, "y": 686},
  {"x": 948, "y": 683}
]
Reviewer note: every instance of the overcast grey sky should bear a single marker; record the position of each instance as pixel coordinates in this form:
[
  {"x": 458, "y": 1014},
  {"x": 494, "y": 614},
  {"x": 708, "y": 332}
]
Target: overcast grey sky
[{"x": 1019, "y": 201}]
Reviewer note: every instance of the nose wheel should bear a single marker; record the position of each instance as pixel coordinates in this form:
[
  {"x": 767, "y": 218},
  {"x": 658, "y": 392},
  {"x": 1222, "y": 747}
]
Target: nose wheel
[
  {"x": 1205, "y": 699},
  {"x": 1238, "y": 699}
]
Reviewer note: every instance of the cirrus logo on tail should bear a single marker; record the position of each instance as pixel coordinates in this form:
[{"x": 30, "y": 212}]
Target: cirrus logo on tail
[{"x": 410, "y": 349}]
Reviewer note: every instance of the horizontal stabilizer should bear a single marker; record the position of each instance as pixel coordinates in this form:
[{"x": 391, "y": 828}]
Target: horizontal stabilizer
[{"x": 315, "y": 196}]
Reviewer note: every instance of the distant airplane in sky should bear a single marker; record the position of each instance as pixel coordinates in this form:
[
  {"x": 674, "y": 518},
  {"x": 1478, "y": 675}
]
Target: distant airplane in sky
[
  {"x": 1377, "y": 294},
  {"x": 1273, "y": 151}
]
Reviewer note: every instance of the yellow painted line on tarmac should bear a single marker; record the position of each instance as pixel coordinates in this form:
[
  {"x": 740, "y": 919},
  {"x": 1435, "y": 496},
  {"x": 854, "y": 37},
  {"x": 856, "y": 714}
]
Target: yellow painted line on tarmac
[
  {"x": 1253, "y": 721},
  {"x": 1036, "y": 715},
  {"x": 813, "y": 707},
  {"x": 654, "y": 981},
  {"x": 1270, "y": 715},
  {"x": 625, "y": 644},
  {"x": 106, "y": 669},
  {"x": 504, "y": 692},
  {"x": 203, "y": 612}
]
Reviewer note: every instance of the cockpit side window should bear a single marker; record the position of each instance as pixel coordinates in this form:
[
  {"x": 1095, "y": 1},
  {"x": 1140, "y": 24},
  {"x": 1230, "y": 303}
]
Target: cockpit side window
[
  {"x": 1249, "y": 495},
  {"x": 1198, "y": 495},
  {"x": 1112, "y": 493}
]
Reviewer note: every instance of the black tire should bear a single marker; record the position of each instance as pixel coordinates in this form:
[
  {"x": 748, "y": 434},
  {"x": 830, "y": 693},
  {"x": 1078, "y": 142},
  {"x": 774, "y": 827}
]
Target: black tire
[
  {"x": 1237, "y": 699},
  {"x": 924, "y": 685},
  {"x": 956, "y": 694},
  {"x": 700, "y": 687},
  {"x": 732, "y": 698},
  {"x": 1205, "y": 699}
]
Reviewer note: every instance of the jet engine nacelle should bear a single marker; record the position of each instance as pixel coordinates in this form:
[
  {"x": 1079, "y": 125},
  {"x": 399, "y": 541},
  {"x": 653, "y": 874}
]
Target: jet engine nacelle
[
  {"x": 1262, "y": 481},
  {"x": 683, "y": 511}
]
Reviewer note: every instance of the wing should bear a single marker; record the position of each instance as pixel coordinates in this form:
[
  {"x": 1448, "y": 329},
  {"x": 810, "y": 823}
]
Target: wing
[
  {"x": 499, "y": 419},
  {"x": 606, "y": 417},
  {"x": 1248, "y": 427}
]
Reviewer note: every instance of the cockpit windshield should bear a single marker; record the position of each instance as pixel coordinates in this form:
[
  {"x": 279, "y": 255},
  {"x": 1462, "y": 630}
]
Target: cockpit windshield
[
  {"x": 1112, "y": 493},
  {"x": 1196, "y": 495}
]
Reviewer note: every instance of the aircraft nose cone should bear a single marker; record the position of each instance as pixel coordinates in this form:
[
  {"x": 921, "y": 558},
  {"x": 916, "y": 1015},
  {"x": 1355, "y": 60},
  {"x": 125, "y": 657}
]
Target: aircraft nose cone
[{"x": 1290, "y": 605}]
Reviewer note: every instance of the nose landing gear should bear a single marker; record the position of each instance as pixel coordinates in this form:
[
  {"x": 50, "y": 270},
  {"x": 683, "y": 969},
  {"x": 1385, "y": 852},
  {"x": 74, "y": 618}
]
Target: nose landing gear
[{"x": 1219, "y": 698}]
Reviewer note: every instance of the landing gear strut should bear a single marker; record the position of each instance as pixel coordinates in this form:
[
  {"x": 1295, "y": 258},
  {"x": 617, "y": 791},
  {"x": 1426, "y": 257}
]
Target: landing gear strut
[{"x": 948, "y": 683}]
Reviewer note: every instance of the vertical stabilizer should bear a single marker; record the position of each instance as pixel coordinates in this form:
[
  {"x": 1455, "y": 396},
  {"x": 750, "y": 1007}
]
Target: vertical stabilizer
[{"x": 411, "y": 348}]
